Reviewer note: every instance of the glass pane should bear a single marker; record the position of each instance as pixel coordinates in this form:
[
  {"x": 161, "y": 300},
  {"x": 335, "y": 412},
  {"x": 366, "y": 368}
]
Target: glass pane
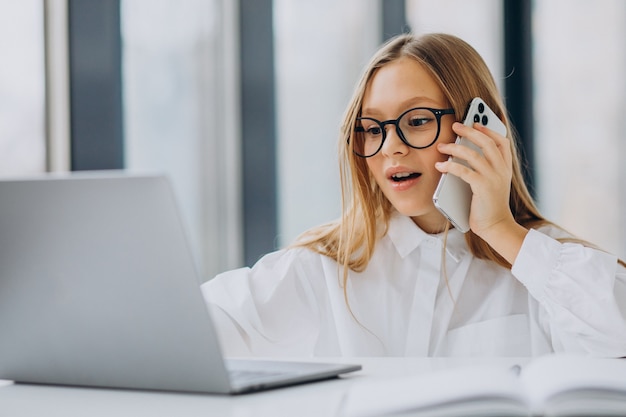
[
  {"x": 580, "y": 90},
  {"x": 321, "y": 48},
  {"x": 22, "y": 88},
  {"x": 478, "y": 22},
  {"x": 171, "y": 102}
]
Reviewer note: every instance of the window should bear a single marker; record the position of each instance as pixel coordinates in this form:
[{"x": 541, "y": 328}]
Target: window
[
  {"x": 179, "y": 115},
  {"x": 580, "y": 90},
  {"x": 478, "y": 22},
  {"x": 22, "y": 88},
  {"x": 320, "y": 50}
]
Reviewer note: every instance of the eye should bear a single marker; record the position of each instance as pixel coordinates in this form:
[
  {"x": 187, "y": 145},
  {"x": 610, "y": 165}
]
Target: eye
[
  {"x": 369, "y": 128},
  {"x": 417, "y": 121},
  {"x": 373, "y": 130}
]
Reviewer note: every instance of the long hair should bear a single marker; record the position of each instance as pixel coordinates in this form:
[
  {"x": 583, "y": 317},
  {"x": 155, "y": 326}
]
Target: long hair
[{"x": 462, "y": 74}]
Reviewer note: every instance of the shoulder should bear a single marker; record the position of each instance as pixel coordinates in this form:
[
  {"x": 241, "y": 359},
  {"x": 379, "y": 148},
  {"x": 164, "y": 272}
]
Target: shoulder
[
  {"x": 285, "y": 274},
  {"x": 553, "y": 231},
  {"x": 288, "y": 258},
  {"x": 285, "y": 264}
]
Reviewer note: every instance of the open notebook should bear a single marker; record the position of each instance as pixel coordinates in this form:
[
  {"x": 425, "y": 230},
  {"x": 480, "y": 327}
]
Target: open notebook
[
  {"x": 98, "y": 288},
  {"x": 555, "y": 385}
]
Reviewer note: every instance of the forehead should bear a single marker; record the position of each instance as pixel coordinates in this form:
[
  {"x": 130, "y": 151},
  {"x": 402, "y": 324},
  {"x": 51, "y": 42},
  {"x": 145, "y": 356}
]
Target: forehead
[{"x": 400, "y": 83}]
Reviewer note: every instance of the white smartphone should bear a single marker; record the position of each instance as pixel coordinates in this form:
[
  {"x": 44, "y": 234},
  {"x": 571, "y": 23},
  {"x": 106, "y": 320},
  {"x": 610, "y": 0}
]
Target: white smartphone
[{"x": 453, "y": 196}]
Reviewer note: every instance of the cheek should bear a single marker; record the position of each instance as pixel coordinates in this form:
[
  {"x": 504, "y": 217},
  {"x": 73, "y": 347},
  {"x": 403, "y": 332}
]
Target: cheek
[
  {"x": 447, "y": 135},
  {"x": 374, "y": 166},
  {"x": 432, "y": 155}
]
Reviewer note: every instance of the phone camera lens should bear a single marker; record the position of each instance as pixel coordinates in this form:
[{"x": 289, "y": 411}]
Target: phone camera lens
[
  {"x": 485, "y": 120},
  {"x": 481, "y": 107},
  {"x": 476, "y": 118}
]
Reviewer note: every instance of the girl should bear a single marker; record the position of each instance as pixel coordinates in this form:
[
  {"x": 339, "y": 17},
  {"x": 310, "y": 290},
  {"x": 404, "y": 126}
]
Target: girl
[{"x": 391, "y": 277}]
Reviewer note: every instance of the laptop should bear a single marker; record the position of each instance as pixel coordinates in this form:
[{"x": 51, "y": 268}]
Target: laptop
[{"x": 98, "y": 288}]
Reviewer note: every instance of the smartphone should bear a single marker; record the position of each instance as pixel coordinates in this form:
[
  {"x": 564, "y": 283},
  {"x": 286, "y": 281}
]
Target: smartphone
[{"x": 453, "y": 196}]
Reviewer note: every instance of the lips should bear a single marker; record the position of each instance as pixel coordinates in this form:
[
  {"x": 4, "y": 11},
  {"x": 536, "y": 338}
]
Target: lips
[
  {"x": 401, "y": 174},
  {"x": 404, "y": 176}
]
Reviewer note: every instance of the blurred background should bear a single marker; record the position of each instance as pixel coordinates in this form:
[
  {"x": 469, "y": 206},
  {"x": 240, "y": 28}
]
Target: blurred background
[{"x": 240, "y": 102}]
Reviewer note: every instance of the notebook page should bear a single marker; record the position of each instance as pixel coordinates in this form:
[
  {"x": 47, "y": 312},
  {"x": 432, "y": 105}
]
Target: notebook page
[
  {"x": 551, "y": 378},
  {"x": 433, "y": 389}
]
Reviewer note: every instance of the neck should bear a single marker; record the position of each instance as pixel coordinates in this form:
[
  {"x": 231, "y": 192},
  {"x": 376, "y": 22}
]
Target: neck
[{"x": 435, "y": 225}]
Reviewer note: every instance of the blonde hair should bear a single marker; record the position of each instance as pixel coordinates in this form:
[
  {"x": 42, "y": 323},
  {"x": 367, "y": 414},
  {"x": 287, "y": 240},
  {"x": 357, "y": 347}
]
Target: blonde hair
[{"x": 462, "y": 74}]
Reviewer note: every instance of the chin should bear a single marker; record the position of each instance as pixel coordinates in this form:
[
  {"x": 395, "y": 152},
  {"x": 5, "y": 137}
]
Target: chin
[
  {"x": 411, "y": 211},
  {"x": 415, "y": 209}
]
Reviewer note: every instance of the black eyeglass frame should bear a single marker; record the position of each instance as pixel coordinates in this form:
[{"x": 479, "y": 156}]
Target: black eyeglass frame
[{"x": 437, "y": 112}]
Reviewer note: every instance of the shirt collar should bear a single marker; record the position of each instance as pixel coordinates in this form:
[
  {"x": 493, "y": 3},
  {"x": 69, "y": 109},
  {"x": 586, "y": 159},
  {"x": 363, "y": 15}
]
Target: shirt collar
[{"x": 406, "y": 236}]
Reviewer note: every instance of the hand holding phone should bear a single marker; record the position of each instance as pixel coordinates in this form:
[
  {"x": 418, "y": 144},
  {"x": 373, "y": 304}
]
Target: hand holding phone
[{"x": 453, "y": 196}]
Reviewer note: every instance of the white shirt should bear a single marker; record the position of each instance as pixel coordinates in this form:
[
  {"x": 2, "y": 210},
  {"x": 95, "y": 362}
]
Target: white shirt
[{"x": 557, "y": 297}]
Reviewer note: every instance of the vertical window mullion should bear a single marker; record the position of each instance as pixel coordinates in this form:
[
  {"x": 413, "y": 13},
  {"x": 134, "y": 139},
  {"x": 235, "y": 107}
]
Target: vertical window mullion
[
  {"x": 258, "y": 128},
  {"x": 518, "y": 64},
  {"x": 95, "y": 71}
]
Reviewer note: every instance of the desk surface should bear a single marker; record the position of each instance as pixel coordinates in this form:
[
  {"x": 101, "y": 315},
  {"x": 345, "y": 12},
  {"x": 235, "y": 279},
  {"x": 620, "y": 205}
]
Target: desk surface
[{"x": 316, "y": 399}]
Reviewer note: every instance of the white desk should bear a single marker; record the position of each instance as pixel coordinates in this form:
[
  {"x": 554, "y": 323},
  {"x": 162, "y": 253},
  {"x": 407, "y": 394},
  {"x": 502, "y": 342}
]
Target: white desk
[{"x": 318, "y": 399}]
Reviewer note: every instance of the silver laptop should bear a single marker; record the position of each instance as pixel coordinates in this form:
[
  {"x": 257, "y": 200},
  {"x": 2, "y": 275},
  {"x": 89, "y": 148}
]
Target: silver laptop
[{"x": 98, "y": 288}]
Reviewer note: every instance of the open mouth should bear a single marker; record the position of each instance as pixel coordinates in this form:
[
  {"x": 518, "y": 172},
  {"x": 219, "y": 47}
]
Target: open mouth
[{"x": 404, "y": 176}]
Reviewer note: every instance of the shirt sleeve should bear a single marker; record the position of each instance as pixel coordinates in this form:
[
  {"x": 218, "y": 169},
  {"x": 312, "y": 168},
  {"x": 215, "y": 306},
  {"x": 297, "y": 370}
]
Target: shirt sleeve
[
  {"x": 581, "y": 292},
  {"x": 270, "y": 309}
]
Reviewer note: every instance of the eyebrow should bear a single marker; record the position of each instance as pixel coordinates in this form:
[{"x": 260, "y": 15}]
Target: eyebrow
[{"x": 406, "y": 104}]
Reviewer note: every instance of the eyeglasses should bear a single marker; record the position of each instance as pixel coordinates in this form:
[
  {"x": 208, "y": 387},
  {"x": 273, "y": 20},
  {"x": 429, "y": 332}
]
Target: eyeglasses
[{"x": 418, "y": 128}]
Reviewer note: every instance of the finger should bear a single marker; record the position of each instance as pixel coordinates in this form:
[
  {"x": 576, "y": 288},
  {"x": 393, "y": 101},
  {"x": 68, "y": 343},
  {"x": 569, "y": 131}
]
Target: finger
[
  {"x": 502, "y": 143},
  {"x": 464, "y": 152},
  {"x": 480, "y": 174},
  {"x": 472, "y": 157},
  {"x": 467, "y": 131},
  {"x": 495, "y": 147},
  {"x": 465, "y": 173}
]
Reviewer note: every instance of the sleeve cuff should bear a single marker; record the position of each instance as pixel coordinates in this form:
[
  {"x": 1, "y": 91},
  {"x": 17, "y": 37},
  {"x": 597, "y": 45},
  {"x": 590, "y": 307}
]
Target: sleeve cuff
[{"x": 536, "y": 261}]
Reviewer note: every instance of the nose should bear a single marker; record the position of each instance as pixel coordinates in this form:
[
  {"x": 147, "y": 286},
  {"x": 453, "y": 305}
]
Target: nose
[{"x": 394, "y": 145}]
